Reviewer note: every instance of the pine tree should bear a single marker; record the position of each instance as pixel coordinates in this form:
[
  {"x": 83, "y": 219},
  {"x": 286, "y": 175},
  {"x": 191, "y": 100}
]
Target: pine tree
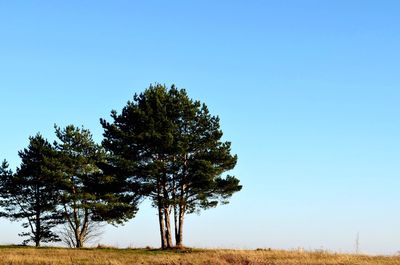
[
  {"x": 168, "y": 148},
  {"x": 85, "y": 192},
  {"x": 30, "y": 194}
]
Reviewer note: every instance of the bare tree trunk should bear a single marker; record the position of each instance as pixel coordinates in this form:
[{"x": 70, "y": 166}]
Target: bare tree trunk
[
  {"x": 174, "y": 208},
  {"x": 182, "y": 206},
  {"x": 162, "y": 230},
  {"x": 161, "y": 216},
  {"x": 168, "y": 233},
  {"x": 179, "y": 238},
  {"x": 84, "y": 229},
  {"x": 176, "y": 223},
  {"x": 78, "y": 242},
  {"x": 77, "y": 230},
  {"x": 38, "y": 230},
  {"x": 167, "y": 210}
]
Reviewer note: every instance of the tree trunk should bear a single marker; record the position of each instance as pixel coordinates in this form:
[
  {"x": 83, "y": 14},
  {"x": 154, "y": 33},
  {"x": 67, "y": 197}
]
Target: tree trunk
[
  {"x": 182, "y": 207},
  {"x": 176, "y": 223},
  {"x": 179, "y": 238},
  {"x": 168, "y": 233},
  {"x": 38, "y": 231},
  {"x": 174, "y": 207},
  {"x": 84, "y": 229},
  {"x": 161, "y": 222},
  {"x": 79, "y": 243},
  {"x": 165, "y": 202},
  {"x": 160, "y": 215},
  {"x": 76, "y": 227},
  {"x": 80, "y": 239}
]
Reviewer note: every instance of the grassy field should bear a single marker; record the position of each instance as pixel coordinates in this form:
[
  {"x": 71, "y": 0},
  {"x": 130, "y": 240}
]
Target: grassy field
[{"x": 49, "y": 256}]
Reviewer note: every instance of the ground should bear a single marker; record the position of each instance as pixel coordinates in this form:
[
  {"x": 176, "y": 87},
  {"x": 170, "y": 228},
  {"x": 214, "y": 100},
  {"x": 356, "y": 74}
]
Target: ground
[{"x": 108, "y": 256}]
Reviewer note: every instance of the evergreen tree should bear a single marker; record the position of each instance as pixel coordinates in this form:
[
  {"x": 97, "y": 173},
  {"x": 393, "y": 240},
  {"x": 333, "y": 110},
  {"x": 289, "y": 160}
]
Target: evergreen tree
[
  {"x": 83, "y": 188},
  {"x": 168, "y": 148},
  {"x": 199, "y": 160},
  {"x": 30, "y": 194}
]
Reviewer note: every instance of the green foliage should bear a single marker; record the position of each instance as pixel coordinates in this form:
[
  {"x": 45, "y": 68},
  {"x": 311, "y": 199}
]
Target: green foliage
[
  {"x": 163, "y": 146},
  {"x": 82, "y": 186},
  {"x": 77, "y": 170},
  {"x": 163, "y": 131},
  {"x": 86, "y": 194},
  {"x": 30, "y": 194},
  {"x": 168, "y": 147}
]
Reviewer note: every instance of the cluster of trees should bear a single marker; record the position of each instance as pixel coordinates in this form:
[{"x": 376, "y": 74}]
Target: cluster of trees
[{"x": 163, "y": 146}]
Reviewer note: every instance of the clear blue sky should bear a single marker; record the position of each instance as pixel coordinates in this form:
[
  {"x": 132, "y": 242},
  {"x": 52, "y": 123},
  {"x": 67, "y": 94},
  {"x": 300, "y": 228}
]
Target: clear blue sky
[{"x": 307, "y": 91}]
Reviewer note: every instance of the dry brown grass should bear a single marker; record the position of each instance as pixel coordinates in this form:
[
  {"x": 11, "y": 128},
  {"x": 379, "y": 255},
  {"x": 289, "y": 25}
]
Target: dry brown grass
[{"x": 49, "y": 256}]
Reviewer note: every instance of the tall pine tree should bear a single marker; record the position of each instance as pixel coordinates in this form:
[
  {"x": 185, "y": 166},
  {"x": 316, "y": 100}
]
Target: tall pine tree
[
  {"x": 30, "y": 194},
  {"x": 168, "y": 148},
  {"x": 86, "y": 193}
]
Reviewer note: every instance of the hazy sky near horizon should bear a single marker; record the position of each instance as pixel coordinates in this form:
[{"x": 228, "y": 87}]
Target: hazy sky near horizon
[{"x": 307, "y": 92}]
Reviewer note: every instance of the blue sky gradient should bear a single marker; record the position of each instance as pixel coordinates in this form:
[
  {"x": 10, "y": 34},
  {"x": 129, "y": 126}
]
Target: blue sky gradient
[{"x": 307, "y": 91}]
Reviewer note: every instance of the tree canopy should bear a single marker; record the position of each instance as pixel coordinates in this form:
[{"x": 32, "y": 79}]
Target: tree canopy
[
  {"x": 85, "y": 199},
  {"x": 31, "y": 194},
  {"x": 163, "y": 146},
  {"x": 168, "y": 147}
]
